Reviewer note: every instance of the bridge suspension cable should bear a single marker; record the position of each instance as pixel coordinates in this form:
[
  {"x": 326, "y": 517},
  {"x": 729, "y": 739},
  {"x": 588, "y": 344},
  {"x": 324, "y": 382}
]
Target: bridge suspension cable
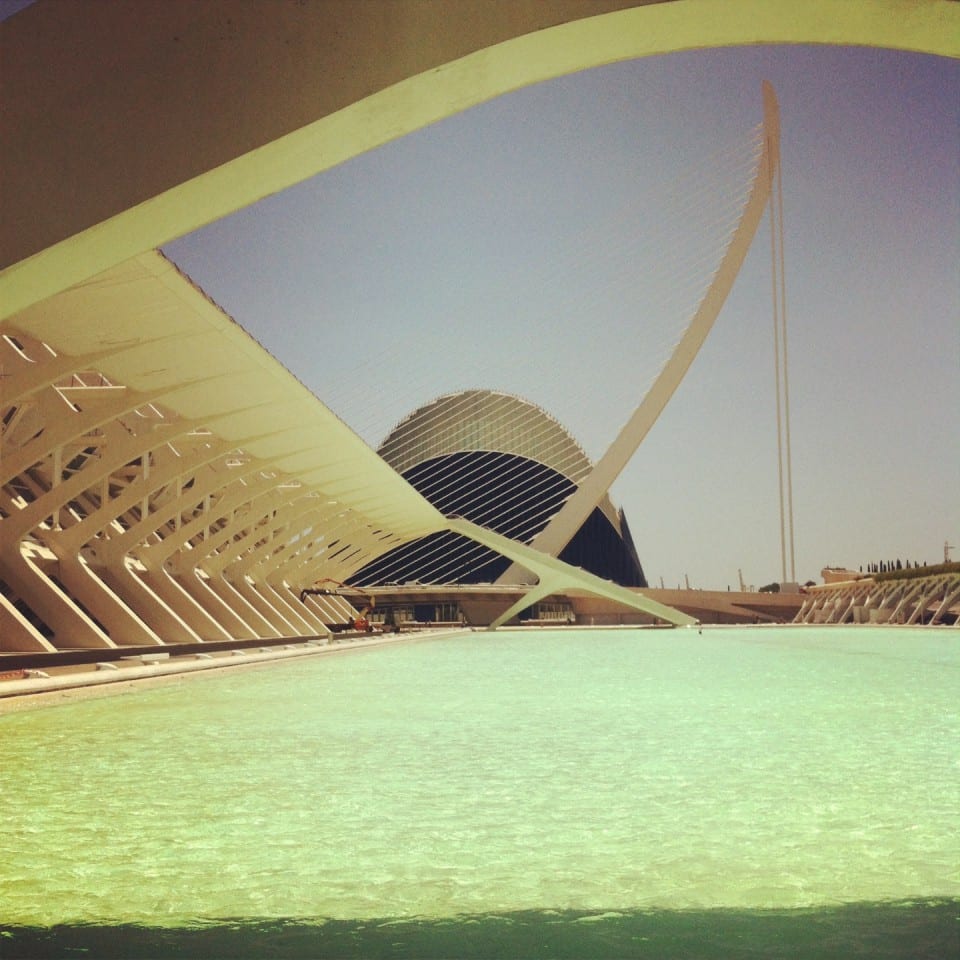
[{"x": 567, "y": 521}]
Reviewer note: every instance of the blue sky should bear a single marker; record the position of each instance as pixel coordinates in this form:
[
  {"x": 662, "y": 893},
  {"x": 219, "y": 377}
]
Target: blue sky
[{"x": 514, "y": 247}]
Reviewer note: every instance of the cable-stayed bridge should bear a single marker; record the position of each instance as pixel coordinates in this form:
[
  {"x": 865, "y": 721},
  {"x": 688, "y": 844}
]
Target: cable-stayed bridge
[{"x": 499, "y": 462}]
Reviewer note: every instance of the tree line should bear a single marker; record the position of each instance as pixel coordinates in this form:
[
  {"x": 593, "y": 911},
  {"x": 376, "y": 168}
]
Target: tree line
[{"x": 889, "y": 566}]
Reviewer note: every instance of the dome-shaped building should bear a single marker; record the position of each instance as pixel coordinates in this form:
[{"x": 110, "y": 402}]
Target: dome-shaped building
[{"x": 505, "y": 464}]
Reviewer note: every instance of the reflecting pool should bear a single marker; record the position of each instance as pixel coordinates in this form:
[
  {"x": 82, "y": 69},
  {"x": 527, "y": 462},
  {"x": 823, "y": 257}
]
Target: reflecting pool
[{"x": 525, "y": 793}]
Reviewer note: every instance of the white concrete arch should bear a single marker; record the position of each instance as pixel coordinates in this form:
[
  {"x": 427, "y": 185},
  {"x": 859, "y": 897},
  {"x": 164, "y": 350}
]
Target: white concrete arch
[{"x": 554, "y": 39}]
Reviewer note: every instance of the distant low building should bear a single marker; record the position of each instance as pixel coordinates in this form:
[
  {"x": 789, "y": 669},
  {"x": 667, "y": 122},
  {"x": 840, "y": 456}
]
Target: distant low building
[{"x": 840, "y": 575}]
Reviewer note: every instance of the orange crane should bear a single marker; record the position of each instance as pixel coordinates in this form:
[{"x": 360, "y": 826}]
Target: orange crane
[{"x": 360, "y": 622}]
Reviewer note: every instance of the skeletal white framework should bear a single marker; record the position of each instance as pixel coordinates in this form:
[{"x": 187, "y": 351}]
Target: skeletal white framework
[{"x": 164, "y": 479}]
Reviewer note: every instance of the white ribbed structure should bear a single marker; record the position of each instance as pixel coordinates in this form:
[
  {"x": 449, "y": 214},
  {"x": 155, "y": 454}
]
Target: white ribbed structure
[
  {"x": 164, "y": 479},
  {"x": 483, "y": 420}
]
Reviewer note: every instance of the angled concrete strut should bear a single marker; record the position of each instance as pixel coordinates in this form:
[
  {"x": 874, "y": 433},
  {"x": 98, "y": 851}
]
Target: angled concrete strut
[{"x": 555, "y": 576}]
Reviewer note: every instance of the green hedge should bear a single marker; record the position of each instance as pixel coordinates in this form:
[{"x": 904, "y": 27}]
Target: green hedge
[{"x": 913, "y": 573}]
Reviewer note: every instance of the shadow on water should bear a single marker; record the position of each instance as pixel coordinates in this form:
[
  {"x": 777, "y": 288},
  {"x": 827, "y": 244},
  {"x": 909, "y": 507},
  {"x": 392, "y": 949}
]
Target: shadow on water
[{"x": 905, "y": 929}]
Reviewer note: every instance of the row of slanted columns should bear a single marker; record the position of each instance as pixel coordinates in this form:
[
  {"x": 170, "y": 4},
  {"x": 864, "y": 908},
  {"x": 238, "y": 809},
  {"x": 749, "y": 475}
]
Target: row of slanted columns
[
  {"x": 909, "y": 601},
  {"x": 122, "y": 524}
]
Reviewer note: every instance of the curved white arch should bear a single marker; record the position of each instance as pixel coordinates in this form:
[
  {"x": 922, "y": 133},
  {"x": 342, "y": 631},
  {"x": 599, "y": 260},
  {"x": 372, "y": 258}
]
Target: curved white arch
[{"x": 929, "y": 26}]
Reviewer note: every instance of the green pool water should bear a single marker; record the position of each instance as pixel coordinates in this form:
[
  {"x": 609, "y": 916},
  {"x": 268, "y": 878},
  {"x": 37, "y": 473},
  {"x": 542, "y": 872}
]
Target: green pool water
[{"x": 602, "y": 783}]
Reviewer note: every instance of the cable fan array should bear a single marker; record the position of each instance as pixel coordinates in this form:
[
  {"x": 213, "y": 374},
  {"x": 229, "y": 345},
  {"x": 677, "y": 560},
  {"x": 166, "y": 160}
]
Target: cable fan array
[{"x": 581, "y": 329}]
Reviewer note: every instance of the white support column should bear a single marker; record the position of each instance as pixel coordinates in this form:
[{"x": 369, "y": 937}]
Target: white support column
[
  {"x": 70, "y": 625},
  {"x": 17, "y": 634},
  {"x": 951, "y": 596},
  {"x": 274, "y": 617},
  {"x": 123, "y": 625},
  {"x": 235, "y": 600},
  {"x": 150, "y": 607},
  {"x": 226, "y": 617}
]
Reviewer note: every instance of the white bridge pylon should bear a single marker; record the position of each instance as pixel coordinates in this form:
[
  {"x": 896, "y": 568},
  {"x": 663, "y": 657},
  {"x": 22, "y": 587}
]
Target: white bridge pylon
[{"x": 565, "y": 523}]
